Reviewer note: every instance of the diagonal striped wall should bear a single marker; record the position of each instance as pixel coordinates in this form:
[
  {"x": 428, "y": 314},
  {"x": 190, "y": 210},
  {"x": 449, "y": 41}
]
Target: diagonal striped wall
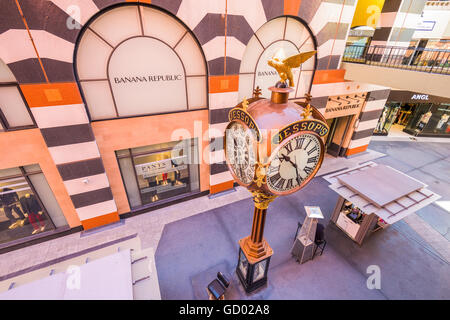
[
  {"x": 397, "y": 22},
  {"x": 368, "y": 118},
  {"x": 62, "y": 119},
  {"x": 223, "y": 28}
]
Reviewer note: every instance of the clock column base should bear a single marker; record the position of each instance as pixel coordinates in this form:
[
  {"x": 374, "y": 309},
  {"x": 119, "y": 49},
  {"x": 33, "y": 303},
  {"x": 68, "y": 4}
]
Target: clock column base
[{"x": 252, "y": 272}]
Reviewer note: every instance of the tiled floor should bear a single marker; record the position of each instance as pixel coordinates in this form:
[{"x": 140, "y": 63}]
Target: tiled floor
[{"x": 430, "y": 235}]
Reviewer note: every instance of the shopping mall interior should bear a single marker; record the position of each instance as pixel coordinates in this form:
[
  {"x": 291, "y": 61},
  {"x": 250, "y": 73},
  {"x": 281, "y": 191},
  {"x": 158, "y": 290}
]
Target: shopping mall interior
[{"x": 117, "y": 112}]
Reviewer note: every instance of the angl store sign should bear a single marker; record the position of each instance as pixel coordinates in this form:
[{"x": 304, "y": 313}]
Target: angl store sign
[{"x": 146, "y": 76}]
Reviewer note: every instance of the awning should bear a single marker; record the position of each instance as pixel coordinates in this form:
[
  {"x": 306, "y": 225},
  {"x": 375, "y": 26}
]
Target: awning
[{"x": 375, "y": 188}]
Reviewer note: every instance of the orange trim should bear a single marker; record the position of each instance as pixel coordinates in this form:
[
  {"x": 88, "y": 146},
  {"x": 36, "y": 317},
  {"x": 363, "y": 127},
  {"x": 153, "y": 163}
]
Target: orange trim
[
  {"x": 100, "y": 221},
  {"x": 31, "y": 39},
  {"x": 143, "y": 1},
  {"x": 218, "y": 84},
  {"x": 291, "y": 7},
  {"x": 357, "y": 150},
  {"x": 221, "y": 187},
  {"x": 55, "y": 94},
  {"x": 329, "y": 76}
]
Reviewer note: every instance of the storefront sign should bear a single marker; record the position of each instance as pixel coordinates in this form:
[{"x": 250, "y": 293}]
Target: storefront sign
[
  {"x": 425, "y": 25},
  {"x": 151, "y": 169},
  {"x": 303, "y": 125},
  {"x": 343, "y": 106},
  {"x": 420, "y": 97},
  {"x": 408, "y": 96},
  {"x": 146, "y": 75}
]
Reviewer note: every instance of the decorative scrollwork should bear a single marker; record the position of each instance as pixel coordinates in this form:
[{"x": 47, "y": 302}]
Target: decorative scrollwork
[
  {"x": 260, "y": 173},
  {"x": 262, "y": 199}
]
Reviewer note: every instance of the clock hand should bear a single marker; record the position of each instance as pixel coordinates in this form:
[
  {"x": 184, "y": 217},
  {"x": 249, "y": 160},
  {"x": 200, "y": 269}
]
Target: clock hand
[
  {"x": 288, "y": 159},
  {"x": 296, "y": 169}
]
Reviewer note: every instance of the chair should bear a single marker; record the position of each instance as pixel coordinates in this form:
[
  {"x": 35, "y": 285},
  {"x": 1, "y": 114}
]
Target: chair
[
  {"x": 319, "y": 240},
  {"x": 217, "y": 288}
]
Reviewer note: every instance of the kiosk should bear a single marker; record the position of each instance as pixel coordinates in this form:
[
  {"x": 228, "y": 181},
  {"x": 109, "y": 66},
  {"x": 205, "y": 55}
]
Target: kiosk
[{"x": 374, "y": 196}]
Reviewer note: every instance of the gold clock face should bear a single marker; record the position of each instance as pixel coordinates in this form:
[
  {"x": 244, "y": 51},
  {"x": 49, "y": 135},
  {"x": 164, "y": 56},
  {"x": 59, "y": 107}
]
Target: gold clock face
[
  {"x": 240, "y": 152},
  {"x": 295, "y": 163}
]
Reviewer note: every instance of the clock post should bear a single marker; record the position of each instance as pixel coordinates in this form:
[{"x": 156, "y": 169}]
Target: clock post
[
  {"x": 271, "y": 165},
  {"x": 254, "y": 251}
]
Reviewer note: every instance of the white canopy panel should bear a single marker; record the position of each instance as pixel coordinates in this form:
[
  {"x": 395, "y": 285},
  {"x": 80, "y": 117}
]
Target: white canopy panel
[{"x": 394, "y": 210}]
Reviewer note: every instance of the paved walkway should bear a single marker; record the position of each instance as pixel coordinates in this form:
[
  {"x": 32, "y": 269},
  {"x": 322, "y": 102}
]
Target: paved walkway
[
  {"x": 430, "y": 235},
  {"x": 422, "y": 162},
  {"x": 192, "y": 250}
]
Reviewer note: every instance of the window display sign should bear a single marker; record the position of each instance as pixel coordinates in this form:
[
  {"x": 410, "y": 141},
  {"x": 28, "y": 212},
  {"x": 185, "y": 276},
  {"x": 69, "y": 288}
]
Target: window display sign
[
  {"x": 154, "y": 168},
  {"x": 146, "y": 76},
  {"x": 265, "y": 75},
  {"x": 159, "y": 172}
]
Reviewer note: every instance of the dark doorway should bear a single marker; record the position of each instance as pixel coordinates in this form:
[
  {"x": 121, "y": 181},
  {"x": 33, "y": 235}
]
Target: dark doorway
[{"x": 338, "y": 130}]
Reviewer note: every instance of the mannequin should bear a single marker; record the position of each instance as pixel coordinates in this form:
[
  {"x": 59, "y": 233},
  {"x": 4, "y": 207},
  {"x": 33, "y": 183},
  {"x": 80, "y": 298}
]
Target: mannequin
[
  {"x": 380, "y": 124},
  {"x": 424, "y": 120},
  {"x": 33, "y": 210},
  {"x": 9, "y": 201},
  {"x": 442, "y": 121}
]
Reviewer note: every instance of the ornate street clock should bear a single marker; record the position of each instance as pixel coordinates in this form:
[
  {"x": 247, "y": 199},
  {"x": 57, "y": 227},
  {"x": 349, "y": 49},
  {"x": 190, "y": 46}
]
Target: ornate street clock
[{"x": 273, "y": 148}]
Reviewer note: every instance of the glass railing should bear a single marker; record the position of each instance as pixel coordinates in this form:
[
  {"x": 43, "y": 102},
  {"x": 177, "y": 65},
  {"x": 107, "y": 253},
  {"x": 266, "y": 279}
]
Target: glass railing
[{"x": 412, "y": 58}]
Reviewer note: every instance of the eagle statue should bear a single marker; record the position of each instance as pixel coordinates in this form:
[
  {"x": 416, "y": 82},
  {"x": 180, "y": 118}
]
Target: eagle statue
[{"x": 284, "y": 67}]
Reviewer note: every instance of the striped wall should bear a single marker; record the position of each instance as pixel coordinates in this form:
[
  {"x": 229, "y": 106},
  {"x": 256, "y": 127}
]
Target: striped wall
[
  {"x": 62, "y": 119},
  {"x": 39, "y": 49},
  {"x": 368, "y": 118},
  {"x": 222, "y": 27},
  {"x": 397, "y": 22}
]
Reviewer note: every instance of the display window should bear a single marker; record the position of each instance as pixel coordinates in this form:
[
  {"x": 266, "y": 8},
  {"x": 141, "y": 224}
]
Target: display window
[
  {"x": 430, "y": 119},
  {"x": 157, "y": 173},
  {"x": 14, "y": 111},
  {"x": 387, "y": 118},
  {"x": 27, "y": 205}
]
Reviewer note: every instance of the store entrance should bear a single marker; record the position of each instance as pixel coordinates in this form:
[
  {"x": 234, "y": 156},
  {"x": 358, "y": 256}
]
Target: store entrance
[{"x": 335, "y": 139}]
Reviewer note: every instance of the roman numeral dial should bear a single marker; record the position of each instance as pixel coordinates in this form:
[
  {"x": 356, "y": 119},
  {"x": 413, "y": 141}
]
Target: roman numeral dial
[
  {"x": 294, "y": 163},
  {"x": 241, "y": 152}
]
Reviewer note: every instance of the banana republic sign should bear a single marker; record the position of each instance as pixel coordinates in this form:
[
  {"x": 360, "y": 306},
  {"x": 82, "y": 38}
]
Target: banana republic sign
[
  {"x": 150, "y": 78},
  {"x": 340, "y": 106},
  {"x": 147, "y": 76}
]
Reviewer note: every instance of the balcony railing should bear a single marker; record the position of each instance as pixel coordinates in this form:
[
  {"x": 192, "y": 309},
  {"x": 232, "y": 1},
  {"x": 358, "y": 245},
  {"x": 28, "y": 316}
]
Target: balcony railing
[{"x": 411, "y": 58}]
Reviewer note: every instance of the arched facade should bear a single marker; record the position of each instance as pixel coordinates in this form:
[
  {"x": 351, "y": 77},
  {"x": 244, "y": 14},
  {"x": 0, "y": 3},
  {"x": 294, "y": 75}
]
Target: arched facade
[
  {"x": 286, "y": 36},
  {"x": 83, "y": 71},
  {"x": 134, "y": 60}
]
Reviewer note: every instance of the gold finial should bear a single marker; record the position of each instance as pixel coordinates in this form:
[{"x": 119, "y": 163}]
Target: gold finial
[
  {"x": 284, "y": 67},
  {"x": 307, "y": 111},
  {"x": 257, "y": 92},
  {"x": 260, "y": 174},
  {"x": 308, "y": 98},
  {"x": 245, "y": 104}
]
